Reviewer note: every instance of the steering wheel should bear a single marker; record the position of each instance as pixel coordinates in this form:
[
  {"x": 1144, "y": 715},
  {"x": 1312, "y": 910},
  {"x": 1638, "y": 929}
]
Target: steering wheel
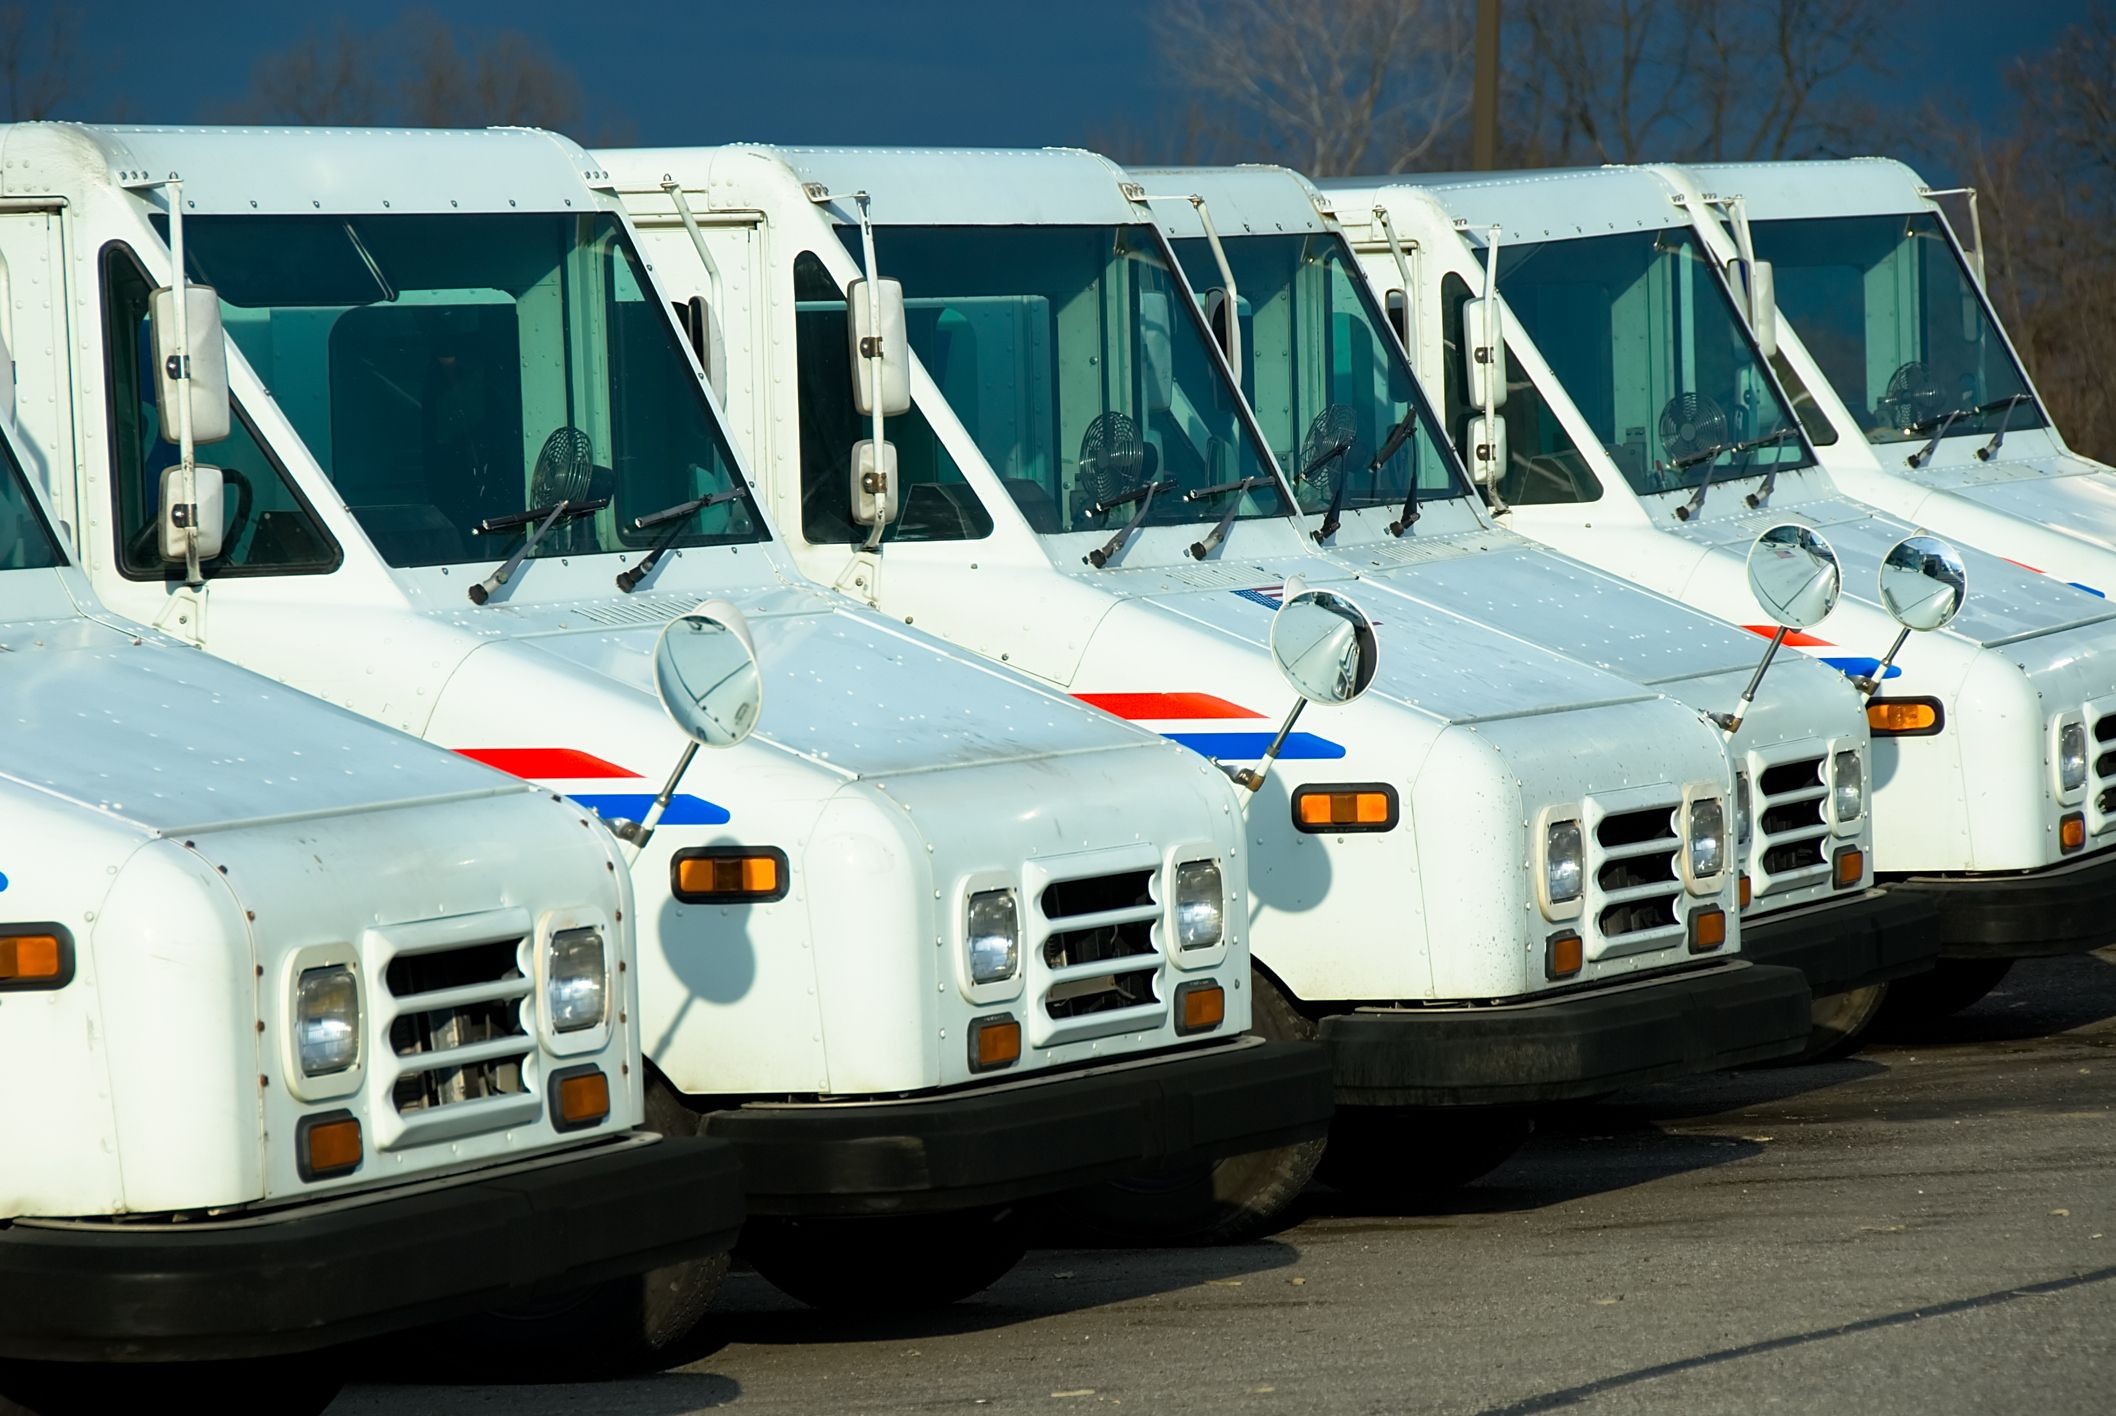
[{"x": 142, "y": 543}]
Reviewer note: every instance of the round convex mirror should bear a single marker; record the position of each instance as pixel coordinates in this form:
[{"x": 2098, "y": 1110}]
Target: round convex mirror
[
  {"x": 1795, "y": 576},
  {"x": 1923, "y": 582},
  {"x": 1324, "y": 645},
  {"x": 706, "y": 673}
]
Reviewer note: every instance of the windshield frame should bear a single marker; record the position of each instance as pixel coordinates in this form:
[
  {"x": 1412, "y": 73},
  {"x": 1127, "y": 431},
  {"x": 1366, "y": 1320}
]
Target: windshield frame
[
  {"x": 1065, "y": 546},
  {"x": 1688, "y": 479}
]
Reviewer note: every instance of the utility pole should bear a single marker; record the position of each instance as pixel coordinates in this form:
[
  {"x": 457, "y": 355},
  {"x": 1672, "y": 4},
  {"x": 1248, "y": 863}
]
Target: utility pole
[{"x": 1484, "y": 102}]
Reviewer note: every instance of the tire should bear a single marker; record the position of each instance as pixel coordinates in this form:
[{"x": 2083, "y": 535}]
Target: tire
[
  {"x": 299, "y": 1385},
  {"x": 1951, "y": 986},
  {"x": 1396, "y": 1154},
  {"x": 1838, "y": 1023},
  {"x": 887, "y": 1264},
  {"x": 1226, "y": 1201},
  {"x": 639, "y": 1323}
]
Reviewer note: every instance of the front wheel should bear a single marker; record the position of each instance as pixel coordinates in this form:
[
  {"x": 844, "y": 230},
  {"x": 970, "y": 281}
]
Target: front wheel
[
  {"x": 1398, "y": 1154},
  {"x": 1952, "y": 985},
  {"x": 890, "y": 1263},
  {"x": 299, "y": 1385},
  {"x": 1837, "y": 1024},
  {"x": 1225, "y": 1201}
]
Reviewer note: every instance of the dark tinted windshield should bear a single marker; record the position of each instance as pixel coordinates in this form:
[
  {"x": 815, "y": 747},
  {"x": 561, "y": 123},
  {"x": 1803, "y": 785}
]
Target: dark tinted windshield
[
  {"x": 26, "y": 542},
  {"x": 444, "y": 369}
]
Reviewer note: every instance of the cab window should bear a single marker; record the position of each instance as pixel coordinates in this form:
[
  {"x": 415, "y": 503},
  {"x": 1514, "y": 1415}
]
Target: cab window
[{"x": 1544, "y": 465}]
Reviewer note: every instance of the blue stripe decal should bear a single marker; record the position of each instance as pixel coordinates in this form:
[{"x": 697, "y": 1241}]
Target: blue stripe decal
[
  {"x": 683, "y": 809},
  {"x": 1261, "y": 597},
  {"x": 2088, "y": 588},
  {"x": 1248, "y": 747},
  {"x": 1861, "y": 668}
]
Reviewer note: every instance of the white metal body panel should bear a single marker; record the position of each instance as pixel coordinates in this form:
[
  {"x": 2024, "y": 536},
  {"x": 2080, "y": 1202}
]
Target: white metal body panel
[
  {"x": 891, "y": 768},
  {"x": 1995, "y": 762},
  {"x": 1481, "y": 732}
]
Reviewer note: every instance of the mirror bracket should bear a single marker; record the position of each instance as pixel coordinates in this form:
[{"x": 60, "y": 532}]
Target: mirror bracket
[
  {"x": 1253, "y": 777},
  {"x": 639, "y": 832}
]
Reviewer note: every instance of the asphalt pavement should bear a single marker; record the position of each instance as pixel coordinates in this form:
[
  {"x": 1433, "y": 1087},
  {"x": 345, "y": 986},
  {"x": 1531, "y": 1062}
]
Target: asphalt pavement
[{"x": 1926, "y": 1228}]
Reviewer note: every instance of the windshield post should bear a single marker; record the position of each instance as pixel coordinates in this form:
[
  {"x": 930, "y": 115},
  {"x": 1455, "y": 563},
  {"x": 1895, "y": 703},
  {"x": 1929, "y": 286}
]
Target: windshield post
[
  {"x": 1403, "y": 273},
  {"x": 704, "y": 348}
]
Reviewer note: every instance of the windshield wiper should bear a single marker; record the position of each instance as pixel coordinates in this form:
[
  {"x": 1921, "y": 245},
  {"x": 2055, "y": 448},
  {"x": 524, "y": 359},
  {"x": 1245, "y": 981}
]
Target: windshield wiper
[
  {"x": 1390, "y": 445},
  {"x": 1316, "y": 464},
  {"x": 1712, "y": 454},
  {"x": 1144, "y": 496},
  {"x": 543, "y": 518},
  {"x": 674, "y": 515},
  {"x": 2012, "y": 401},
  {"x": 1201, "y": 549}
]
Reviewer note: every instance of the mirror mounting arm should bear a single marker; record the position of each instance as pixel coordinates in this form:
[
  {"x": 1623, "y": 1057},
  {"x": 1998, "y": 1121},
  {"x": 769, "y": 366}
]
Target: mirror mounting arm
[
  {"x": 1730, "y": 723},
  {"x": 1253, "y": 777},
  {"x": 639, "y": 832},
  {"x": 1868, "y": 683}
]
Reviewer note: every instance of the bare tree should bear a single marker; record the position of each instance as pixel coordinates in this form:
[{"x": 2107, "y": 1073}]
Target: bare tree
[
  {"x": 1350, "y": 86},
  {"x": 325, "y": 78},
  {"x": 38, "y": 55}
]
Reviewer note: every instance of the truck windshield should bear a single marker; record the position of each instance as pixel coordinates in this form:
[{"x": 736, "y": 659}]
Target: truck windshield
[
  {"x": 1322, "y": 373},
  {"x": 446, "y": 369},
  {"x": 1074, "y": 357},
  {"x": 26, "y": 542},
  {"x": 1888, "y": 309},
  {"x": 1647, "y": 342}
]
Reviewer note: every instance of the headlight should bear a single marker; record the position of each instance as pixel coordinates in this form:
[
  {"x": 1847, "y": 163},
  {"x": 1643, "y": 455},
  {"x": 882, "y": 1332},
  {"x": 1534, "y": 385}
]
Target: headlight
[
  {"x": 1744, "y": 813},
  {"x": 1708, "y": 837},
  {"x": 2072, "y": 756},
  {"x": 576, "y": 980},
  {"x": 327, "y": 1020},
  {"x": 1847, "y": 786},
  {"x": 992, "y": 924},
  {"x": 1563, "y": 861},
  {"x": 1200, "y": 904}
]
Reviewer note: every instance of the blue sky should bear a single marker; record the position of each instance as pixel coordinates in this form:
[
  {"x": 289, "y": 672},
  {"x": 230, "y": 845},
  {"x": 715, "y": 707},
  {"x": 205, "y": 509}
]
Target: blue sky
[{"x": 1001, "y": 72}]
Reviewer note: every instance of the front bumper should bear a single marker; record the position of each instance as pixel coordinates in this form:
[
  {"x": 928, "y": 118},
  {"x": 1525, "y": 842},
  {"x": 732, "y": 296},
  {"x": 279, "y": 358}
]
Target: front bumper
[
  {"x": 1847, "y": 942},
  {"x": 317, "y": 1275},
  {"x": 1571, "y": 1045},
  {"x": 2061, "y": 909},
  {"x": 1037, "y": 1136}
]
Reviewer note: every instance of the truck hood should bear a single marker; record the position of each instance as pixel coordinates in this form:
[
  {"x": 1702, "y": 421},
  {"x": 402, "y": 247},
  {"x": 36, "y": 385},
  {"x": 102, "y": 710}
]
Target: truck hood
[{"x": 2068, "y": 496}]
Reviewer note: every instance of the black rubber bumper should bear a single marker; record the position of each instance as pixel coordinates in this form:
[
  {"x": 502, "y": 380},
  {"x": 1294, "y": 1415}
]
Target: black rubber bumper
[
  {"x": 1571, "y": 1045},
  {"x": 1025, "y": 1139},
  {"x": 312, "y": 1277},
  {"x": 2066, "y": 909},
  {"x": 1847, "y": 942}
]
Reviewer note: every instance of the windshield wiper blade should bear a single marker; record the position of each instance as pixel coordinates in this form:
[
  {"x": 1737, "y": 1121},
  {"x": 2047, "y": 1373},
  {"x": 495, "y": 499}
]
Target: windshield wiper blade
[
  {"x": 675, "y": 516},
  {"x": 2011, "y": 401},
  {"x": 544, "y": 518},
  {"x": 1315, "y": 465},
  {"x": 1712, "y": 454},
  {"x": 1144, "y": 496},
  {"x": 1390, "y": 445},
  {"x": 1201, "y": 549}
]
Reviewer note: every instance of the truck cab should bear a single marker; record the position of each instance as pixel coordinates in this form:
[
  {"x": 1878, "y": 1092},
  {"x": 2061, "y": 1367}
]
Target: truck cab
[
  {"x": 1644, "y": 431},
  {"x": 1497, "y": 879},
  {"x": 1382, "y": 490},
  {"x": 930, "y": 945},
  {"x": 279, "y": 1081},
  {"x": 1915, "y": 398}
]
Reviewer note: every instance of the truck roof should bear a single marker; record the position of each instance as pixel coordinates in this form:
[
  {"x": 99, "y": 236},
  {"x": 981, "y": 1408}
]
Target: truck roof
[
  {"x": 287, "y": 171},
  {"x": 1253, "y": 199},
  {"x": 1526, "y": 206},
  {"x": 1851, "y": 186}
]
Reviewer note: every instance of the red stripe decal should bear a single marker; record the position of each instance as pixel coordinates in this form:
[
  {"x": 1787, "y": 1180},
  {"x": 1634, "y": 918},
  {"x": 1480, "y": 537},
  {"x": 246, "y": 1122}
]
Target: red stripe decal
[
  {"x": 1793, "y": 637},
  {"x": 1137, "y": 706},
  {"x": 540, "y": 762},
  {"x": 2024, "y": 565}
]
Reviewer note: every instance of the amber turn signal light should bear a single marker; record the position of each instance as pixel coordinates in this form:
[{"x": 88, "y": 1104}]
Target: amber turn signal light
[
  {"x": 1201, "y": 1006},
  {"x": 1563, "y": 955},
  {"x": 34, "y": 959},
  {"x": 327, "y": 1146},
  {"x": 727, "y": 875},
  {"x": 583, "y": 1099},
  {"x": 1850, "y": 864},
  {"x": 2071, "y": 832},
  {"x": 995, "y": 1042},
  {"x": 1746, "y": 891},
  {"x": 1708, "y": 930},
  {"x": 1369, "y": 806},
  {"x": 1904, "y": 717}
]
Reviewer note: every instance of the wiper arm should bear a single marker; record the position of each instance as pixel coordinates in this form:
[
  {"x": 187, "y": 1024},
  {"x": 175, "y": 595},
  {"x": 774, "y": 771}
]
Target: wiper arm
[
  {"x": 1201, "y": 549},
  {"x": 1144, "y": 496},
  {"x": 675, "y": 516},
  {"x": 1316, "y": 464},
  {"x": 1713, "y": 454},
  {"x": 1398, "y": 436},
  {"x": 543, "y": 518},
  {"x": 2011, "y": 402}
]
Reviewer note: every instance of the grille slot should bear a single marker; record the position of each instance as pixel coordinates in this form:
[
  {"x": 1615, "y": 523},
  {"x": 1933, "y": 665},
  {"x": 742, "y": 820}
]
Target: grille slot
[
  {"x": 456, "y": 1026},
  {"x": 1791, "y": 834},
  {"x": 1636, "y": 874},
  {"x": 2104, "y": 784},
  {"x": 1101, "y": 959}
]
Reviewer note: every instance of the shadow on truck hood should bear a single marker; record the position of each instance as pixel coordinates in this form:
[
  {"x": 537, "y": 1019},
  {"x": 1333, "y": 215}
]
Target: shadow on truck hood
[{"x": 171, "y": 739}]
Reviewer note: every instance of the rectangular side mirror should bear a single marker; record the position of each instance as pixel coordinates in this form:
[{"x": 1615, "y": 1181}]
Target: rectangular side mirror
[
  {"x": 1487, "y": 353},
  {"x": 879, "y": 343},
  {"x": 1484, "y": 449},
  {"x": 179, "y": 516},
  {"x": 873, "y": 483},
  {"x": 1399, "y": 311},
  {"x": 209, "y": 362}
]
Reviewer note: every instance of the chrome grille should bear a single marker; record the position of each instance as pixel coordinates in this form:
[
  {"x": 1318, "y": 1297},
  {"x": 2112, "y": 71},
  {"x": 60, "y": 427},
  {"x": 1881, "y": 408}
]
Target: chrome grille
[
  {"x": 1789, "y": 843},
  {"x": 1099, "y": 961},
  {"x": 1637, "y": 879},
  {"x": 2103, "y": 784},
  {"x": 457, "y": 1036}
]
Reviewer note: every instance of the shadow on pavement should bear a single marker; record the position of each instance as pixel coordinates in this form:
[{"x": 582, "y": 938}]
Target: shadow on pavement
[
  {"x": 662, "y": 1394},
  {"x": 2036, "y": 998}
]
